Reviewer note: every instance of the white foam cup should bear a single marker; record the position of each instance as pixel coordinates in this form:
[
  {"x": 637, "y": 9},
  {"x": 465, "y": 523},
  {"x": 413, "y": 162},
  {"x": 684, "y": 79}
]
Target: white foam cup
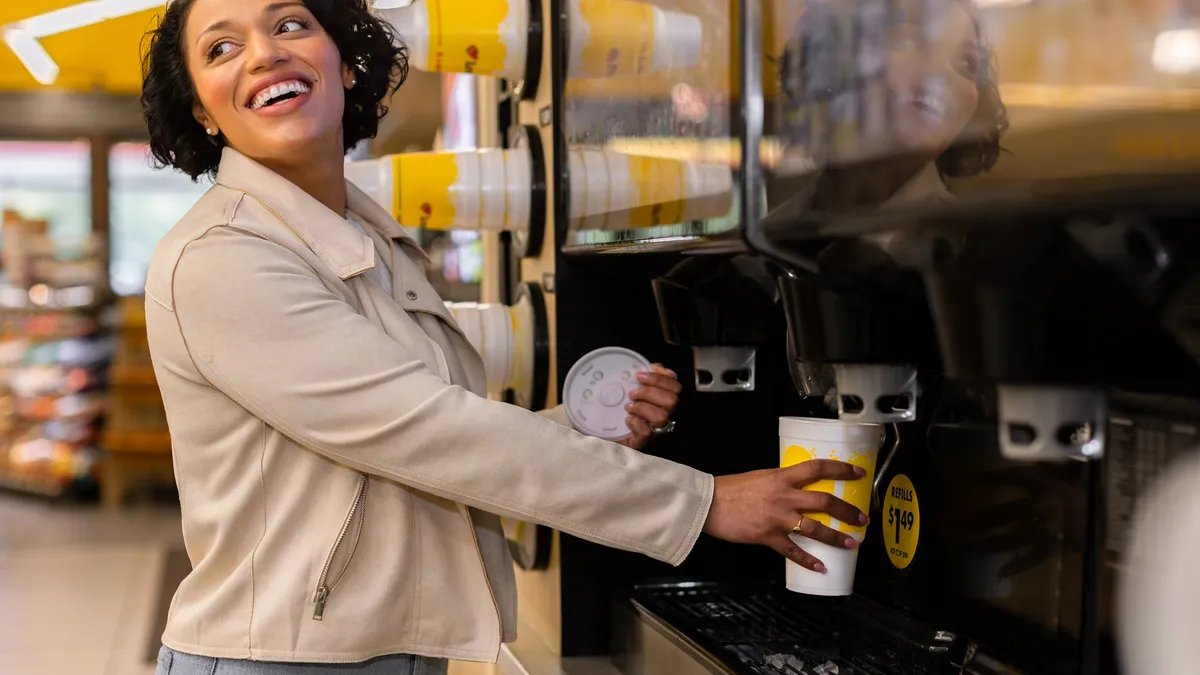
[
  {"x": 518, "y": 178},
  {"x": 493, "y": 188},
  {"x": 497, "y": 345},
  {"x": 596, "y": 209},
  {"x": 579, "y": 187},
  {"x": 678, "y": 41},
  {"x": 471, "y": 324},
  {"x": 374, "y": 177},
  {"x": 803, "y": 439},
  {"x": 466, "y": 192},
  {"x": 622, "y": 197},
  {"x": 709, "y": 191}
]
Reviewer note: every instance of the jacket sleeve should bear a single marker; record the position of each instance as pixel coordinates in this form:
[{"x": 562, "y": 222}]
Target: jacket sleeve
[
  {"x": 558, "y": 414},
  {"x": 261, "y": 327}
]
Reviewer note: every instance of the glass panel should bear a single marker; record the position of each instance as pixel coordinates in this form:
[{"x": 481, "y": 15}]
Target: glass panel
[
  {"x": 915, "y": 104},
  {"x": 50, "y": 181},
  {"x": 145, "y": 204},
  {"x": 648, "y": 120}
]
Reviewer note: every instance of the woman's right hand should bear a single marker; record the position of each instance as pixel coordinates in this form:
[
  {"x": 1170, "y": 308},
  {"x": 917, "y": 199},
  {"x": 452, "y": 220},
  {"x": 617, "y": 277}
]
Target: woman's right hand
[{"x": 763, "y": 507}]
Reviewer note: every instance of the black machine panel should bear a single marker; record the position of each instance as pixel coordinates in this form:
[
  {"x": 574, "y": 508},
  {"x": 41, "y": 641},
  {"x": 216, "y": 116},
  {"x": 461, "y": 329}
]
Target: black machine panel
[{"x": 935, "y": 199}]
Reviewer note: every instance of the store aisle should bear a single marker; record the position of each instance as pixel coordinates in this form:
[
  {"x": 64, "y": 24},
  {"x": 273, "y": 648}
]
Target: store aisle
[{"x": 80, "y": 588}]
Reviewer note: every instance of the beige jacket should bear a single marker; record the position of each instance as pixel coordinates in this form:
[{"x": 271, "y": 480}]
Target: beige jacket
[{"x": 340, "y": 490}]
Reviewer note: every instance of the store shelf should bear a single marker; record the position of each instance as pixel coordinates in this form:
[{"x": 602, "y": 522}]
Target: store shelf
[
  {"x": 55, "y": 361},
  {"x": 149, "y": 442},
  {"x": 37, "y": 486},
  {"x": 132, "y": 376}
]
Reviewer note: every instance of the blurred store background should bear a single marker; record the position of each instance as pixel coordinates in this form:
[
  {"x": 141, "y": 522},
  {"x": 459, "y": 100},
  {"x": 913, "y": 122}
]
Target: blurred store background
[{"x": 90, "y": 550}]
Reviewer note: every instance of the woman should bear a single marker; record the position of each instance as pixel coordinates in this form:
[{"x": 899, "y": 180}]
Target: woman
[
  {"x": 912, "y": 102},
  {"x": 340, "y": 474}
]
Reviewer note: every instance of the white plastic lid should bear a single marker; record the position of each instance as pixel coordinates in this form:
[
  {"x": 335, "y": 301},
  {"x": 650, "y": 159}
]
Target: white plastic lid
[
  {"x": 678, "y": 40},
  {"x": 597, "y": 389},
  {"x": 814, "y": 429}
]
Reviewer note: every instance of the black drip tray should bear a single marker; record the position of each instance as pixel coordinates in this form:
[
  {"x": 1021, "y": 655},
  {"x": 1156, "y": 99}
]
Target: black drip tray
[{"x": 763, "y": 630}]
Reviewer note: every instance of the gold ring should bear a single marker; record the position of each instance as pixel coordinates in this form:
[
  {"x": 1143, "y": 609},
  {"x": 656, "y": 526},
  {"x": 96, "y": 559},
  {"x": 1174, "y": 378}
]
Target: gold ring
[{"x": 799, "y": 528}]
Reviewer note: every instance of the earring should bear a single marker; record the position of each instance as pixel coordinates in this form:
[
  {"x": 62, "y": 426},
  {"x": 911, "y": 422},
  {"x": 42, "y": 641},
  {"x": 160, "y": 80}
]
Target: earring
[
  {"x": 211, "y": 131},
  {"x": 353, "y": 82}
]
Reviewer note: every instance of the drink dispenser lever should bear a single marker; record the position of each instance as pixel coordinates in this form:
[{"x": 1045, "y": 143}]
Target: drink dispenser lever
[
  {"x": 1041, "y": 423},
  {"x": 881, "y": 470}
]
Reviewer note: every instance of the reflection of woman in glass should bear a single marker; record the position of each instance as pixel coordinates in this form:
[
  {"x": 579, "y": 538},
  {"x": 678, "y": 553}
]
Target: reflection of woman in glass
[{"x": 888, "y": 99}]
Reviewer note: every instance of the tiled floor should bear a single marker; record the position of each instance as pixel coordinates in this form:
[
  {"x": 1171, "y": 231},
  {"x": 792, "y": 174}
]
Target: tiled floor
[{"x": 79, "y": 586}]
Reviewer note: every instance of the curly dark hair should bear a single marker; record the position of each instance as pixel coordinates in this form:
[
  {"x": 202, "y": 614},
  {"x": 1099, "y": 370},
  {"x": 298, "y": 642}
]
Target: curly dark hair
[
  {"x": 813, "y": 67},
  {"x": 367, "y": 44}
]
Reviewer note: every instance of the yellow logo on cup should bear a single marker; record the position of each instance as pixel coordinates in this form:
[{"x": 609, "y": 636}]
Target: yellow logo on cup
[
  {"x": 422, "y": 195},
  {"x": 855, "y": 492},
  {"x": 660, "y": 188},
  {"x": 467, "y": 41},
  {"x": 620, "y": 38}
]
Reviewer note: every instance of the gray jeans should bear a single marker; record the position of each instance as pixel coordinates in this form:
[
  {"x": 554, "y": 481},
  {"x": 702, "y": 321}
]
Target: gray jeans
[{"x": 171, "y": 662}]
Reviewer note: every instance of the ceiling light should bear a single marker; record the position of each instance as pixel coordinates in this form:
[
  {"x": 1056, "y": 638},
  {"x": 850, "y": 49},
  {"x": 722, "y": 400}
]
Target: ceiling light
[
  {"x": 1177, "y": 51},
  {"x": 22, "y": 37},
  {"x": 32, "y": 54},
  {"x": 84, "y": 14}
]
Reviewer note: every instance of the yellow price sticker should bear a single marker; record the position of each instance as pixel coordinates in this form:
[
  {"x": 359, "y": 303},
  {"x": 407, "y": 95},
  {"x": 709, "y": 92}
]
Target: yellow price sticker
[{"x": 902, "y": 524}]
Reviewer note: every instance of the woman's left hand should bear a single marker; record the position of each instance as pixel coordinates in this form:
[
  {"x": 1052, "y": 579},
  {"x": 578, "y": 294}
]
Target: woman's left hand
[{"x": 652, "y": 406}]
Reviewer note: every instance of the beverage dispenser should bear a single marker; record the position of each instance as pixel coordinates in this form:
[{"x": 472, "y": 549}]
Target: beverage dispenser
[{"x": 964, "y": 223}]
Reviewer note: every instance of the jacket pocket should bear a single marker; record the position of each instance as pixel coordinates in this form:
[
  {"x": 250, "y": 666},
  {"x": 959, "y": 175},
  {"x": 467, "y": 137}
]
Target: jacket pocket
[{"x": 347, "y": 539}]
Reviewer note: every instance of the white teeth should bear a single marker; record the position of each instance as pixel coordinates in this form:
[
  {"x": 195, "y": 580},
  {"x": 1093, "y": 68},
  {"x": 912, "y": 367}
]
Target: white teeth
[{"x": 267, "y": 95}]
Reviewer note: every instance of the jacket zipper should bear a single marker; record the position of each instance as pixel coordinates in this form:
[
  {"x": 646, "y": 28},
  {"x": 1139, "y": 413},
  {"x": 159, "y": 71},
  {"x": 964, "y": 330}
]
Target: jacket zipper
[{"x": 326, "y": 584}]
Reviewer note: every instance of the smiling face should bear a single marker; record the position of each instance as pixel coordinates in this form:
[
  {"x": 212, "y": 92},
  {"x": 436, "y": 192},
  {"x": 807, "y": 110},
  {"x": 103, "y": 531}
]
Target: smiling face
[
  {"x": 268, "y": 77},
  {"x": 933, "y": 70}
]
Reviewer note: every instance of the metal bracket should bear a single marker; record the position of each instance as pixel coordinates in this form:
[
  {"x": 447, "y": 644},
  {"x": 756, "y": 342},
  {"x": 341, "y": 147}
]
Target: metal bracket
[
  {"x": 724, "y": 369},
  {"x": 1048, "y": 423}
]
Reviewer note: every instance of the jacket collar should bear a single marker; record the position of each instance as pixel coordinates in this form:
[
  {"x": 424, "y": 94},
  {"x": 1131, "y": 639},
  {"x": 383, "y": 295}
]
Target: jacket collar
[{"x": 346, "y": 250}]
